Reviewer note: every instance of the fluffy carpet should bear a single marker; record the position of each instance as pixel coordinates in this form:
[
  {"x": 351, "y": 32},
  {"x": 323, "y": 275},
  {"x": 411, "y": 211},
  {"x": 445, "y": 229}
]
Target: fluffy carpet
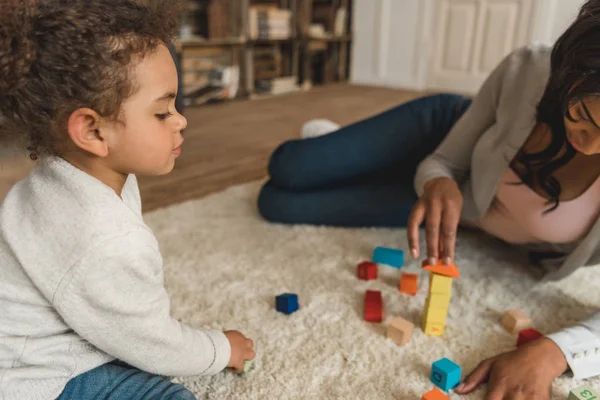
[{"x": 224, "y": 266}]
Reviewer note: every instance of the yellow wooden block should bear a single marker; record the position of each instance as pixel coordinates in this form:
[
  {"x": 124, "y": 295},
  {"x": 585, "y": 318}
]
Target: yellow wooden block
[
  {"x": 440, "y": 284},
  {"x": 438, "y": 300},
  {"x": 433, "y": 314},
  {"x": 433, "y": 328}
]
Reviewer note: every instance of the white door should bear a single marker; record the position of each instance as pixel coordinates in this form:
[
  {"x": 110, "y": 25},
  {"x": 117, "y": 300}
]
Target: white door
[
  {"x": 448, "y": 45},
  {"x": 472, "y": 36}
]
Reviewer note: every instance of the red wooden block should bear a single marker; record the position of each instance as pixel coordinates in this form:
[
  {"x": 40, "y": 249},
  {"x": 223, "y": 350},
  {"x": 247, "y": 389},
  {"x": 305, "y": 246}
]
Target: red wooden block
[
  {"x": 366, "y": 271},
  {"x": 527, "y": 335},
  {"x": 408, "y": 283},
  {"x": 373, "y": 306}
]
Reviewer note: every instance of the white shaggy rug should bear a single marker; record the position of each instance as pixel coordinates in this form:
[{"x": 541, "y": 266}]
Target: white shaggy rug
[{"x": 224, "y": 266}]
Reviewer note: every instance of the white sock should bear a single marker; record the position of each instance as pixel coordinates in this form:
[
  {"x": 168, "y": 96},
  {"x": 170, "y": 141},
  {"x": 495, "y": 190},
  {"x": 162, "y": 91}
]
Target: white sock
[{"x": 318, "y": 127}]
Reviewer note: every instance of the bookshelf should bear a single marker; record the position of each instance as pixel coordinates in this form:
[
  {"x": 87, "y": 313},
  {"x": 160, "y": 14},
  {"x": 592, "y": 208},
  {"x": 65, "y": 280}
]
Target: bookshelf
[{"x": 255, "y": 48}]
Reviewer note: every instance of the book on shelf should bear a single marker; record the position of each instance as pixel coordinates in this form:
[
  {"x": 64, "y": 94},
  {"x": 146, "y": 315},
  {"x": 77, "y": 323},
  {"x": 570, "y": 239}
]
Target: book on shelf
[
  {"x": 278, "y": 85},
  {"x": 269, "y": 23}
]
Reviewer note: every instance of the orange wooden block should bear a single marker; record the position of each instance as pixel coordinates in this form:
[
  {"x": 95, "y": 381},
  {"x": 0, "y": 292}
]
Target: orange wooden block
[
  {"x": 435, "y": 394},
  {"x": 409, "y": 283},
  {"x": 442, "y": 269}
]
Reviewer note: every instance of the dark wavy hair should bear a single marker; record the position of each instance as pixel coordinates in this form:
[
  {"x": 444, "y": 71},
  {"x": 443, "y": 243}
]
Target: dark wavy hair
[
  {"x": 574, "y": 75},
  {"x": 60, "y": 55}
]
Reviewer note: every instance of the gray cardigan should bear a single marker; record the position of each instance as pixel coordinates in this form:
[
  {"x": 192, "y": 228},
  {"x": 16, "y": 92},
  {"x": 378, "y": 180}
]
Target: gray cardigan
[{"x": 477, "y": 151}]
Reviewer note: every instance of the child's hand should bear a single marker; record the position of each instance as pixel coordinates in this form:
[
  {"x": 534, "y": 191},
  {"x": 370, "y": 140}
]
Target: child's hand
[
  {"x": 242, "y": 349},
  {"x": 524, "y": 373}
]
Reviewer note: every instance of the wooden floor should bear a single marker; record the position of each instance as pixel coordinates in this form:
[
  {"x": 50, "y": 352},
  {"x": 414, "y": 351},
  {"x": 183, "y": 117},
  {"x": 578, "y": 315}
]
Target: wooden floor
[{"x": 230, "y": 143}]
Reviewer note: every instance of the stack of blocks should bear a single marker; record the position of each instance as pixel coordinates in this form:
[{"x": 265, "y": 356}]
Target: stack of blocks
[
  {"x": 584, "y": 393},
  {"x": 433, "y": 321}
]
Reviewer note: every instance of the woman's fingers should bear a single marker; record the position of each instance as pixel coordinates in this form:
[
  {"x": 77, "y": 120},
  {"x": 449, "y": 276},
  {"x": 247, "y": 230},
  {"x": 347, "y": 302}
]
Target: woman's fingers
[
  {"x": 478, "y": 376},
  {"x": 417, "y": 215},
  {"x": 450, "y": 218},
  {"x": 432, "y": 227}
]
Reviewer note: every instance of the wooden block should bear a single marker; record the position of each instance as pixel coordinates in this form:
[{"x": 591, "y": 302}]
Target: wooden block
[
  {"x": 445, "y": 374},
  {"x": 248, "y": 364},
  {"x": 442, "y": 269},
  {"x": 435, "y": 394},
  {"x": 515, "y": 321},
  {"x": 373, "y": 306},
  {"x": 528, "y": 335},
  {"x": 438, "y": 300},
  {"x": 366, "y": 271},
  {"x": 584, "y": 392},
  {"x": 287, "y": 303},
  {"x": 409, "y": 283},
  {"x": 433, "y": 314},
  {"x": 440, "y": 284},
  {"x": 400, "y": 330},
  {"x": 433, "y": 328},
  {"x": 387, "y": 256}
]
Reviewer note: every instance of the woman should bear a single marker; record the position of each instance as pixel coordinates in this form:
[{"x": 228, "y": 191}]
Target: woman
[{"x": 519, "y": 160}]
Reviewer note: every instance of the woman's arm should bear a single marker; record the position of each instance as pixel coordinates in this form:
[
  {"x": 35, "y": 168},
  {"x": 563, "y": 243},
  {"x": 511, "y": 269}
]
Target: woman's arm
[{"x": 452, "y": 159}]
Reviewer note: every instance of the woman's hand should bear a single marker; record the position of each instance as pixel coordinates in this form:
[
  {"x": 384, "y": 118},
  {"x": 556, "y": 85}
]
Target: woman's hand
[
  {"x": 440, "y": 206},
  {"x": 524, "y": 373}
]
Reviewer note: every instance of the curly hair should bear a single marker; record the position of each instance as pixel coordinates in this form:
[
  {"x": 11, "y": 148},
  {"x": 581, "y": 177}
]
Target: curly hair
[{"x": 60, "y": 55}]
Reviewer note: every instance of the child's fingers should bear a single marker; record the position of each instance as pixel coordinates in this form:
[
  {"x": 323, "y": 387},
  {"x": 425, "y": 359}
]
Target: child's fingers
[
  {"x": 249, "y": 355},
  {"x": 249, "y": 343},
  {"x": 478, "y": 376}
]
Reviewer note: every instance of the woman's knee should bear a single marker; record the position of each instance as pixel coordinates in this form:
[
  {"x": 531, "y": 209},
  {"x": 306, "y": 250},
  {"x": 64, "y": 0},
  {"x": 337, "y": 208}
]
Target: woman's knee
[
  {"x": 286, "y": 165},
  {"x": 271, "y": 204}
]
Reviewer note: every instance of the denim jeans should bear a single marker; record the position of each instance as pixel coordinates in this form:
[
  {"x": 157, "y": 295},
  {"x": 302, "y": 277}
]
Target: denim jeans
[
  {"x": 362, "y": 174},
  {"x": 119, "y": 381}
]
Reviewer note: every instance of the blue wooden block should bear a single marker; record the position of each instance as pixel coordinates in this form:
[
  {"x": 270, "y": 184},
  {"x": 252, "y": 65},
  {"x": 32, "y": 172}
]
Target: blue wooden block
[
  {"x": 387, "y": 256},
  {"x": 445, "y": 374},
  {"x": 287, "y": 303}
]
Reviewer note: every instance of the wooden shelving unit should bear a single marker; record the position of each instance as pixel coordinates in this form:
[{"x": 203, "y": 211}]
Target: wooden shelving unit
[{"x": 271, "y": 55}]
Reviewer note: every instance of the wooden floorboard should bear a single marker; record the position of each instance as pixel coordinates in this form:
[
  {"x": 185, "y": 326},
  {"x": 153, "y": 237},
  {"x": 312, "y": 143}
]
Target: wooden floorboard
[{"x": 230, "y": 143}]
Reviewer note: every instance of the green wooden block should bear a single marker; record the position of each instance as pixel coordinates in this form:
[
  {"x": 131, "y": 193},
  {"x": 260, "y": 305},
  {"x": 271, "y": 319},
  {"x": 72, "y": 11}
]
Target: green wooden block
[
  {"x": 584, "y": 393},
  {"x": 248, "y": 364}
]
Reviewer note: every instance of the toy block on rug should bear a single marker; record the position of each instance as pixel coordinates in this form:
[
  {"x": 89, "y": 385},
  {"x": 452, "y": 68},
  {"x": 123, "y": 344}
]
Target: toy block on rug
[
  {"x": 248, "y": 364},
  {"x": 445, "y": 374},
  {"x": 387, "y": 256},
  {"x": 400, "y": 331},
  {"x": 435, "y": 394},
  {"x": 373, "y": 306},
  {"x": 515, "y": 321},
  {"x": 441, "y": 269},
  {"x": 528, "y": 335},
  {"x": 409, "y": 283},
  {"x": 286, "y": 303},
  {"x": 366, "y": 271},
  {"x": 584, "y": 392}
]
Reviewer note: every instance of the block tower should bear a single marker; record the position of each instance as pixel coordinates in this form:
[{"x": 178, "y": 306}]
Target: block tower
[{"x": 433, "y": 321}]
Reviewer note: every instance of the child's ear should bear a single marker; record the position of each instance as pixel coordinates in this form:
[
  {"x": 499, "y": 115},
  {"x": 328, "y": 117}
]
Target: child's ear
[{"x": 83, "y": 127}]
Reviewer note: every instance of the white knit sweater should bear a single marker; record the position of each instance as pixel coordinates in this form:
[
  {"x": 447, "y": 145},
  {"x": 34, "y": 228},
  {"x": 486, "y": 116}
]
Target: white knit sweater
[{"x": 81, "y": 283}]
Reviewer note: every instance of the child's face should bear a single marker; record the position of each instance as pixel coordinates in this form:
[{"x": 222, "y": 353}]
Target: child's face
[{"x": 149, "y": 140}]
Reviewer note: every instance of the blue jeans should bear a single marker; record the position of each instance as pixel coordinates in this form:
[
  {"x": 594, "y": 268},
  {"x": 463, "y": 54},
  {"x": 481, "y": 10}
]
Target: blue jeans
[
  {"x": 120, "y": 381},
  {"x": 362, "y": 174}
]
